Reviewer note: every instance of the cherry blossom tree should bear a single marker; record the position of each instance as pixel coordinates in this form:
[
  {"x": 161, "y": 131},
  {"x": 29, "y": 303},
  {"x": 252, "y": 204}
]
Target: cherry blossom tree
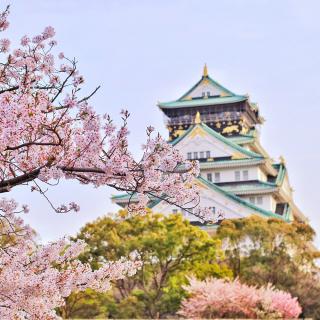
[
  {"x": 35, "y": 279},
  {"x": 49, "y": 132},
  {"x": 228, "y": 299}
]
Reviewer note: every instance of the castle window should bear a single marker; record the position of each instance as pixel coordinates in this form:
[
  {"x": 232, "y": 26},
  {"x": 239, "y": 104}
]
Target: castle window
[
  {"x": 280, "y": 208},
  {"x": 208, "y": 154},
  {"x": 203, "y": 94},
  {"x": 217, "y": 177},
  {"x": 252, "y": 200},
  {"x": 201, "y": 155},
  {"x": 175, "y": 211},
  {"x": 259, "y": 200},
  {"x": 195, "y": 155},
  {"x": 237, "y": 175},
  {"x": 245, "y": 175},
  {"x": 208, "y": 93},
  {"x": 209, "y": 177},
  {"x": 189, "y": 155}
]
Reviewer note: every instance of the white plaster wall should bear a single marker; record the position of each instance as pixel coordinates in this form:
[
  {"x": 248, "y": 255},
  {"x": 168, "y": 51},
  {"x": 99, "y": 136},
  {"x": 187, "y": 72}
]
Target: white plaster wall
[
  {"x": 212, "y": 198},
  {"x": 197, "y": 92},
  {"x": 268, "y": 202},
  {"x": 228, "y": 174},
  {"x": 273, "y": 204},
  {"x": 198, "y": 143},
  {"x": 262, "y": 176},
  {"x": 286, "y": 187}
]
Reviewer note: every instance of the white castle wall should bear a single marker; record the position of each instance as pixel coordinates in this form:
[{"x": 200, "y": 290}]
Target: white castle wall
[
  {"x": 228, "y": 175},
  {"x": 268, "y": 202},
  {"x": 206, "y": 143},
  {"x": 205, "y": 87},
  {"x": 211, "y": 198}
]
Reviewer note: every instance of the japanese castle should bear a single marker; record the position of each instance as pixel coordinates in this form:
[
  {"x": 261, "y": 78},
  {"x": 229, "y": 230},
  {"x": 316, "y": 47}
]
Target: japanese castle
[{"x": 221, "y": 130}]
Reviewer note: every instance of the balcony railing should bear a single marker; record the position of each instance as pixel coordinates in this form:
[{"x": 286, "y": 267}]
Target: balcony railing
[{"x": 207, "y": 118}]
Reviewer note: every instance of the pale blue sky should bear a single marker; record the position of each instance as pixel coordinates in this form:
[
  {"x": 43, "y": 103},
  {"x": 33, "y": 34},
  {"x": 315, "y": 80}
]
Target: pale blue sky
[{"x": 145, "y": 51}]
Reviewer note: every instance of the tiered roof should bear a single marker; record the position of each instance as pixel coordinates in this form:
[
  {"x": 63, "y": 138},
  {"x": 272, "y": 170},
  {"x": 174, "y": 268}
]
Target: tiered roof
[
  {"x": 235, "y": 189},
  {"x": 191, "y": 98},
  {"x": 124, "y": 198},
  {"x": 246, "y": 147}
]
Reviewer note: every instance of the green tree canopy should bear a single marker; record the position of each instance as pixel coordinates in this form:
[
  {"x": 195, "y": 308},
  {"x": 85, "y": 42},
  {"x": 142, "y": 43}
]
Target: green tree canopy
[{"x": 170, "y": 249}]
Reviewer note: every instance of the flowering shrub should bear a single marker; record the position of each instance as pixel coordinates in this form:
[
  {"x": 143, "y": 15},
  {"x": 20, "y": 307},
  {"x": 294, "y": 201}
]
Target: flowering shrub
[{"x": 231, "y": 299}]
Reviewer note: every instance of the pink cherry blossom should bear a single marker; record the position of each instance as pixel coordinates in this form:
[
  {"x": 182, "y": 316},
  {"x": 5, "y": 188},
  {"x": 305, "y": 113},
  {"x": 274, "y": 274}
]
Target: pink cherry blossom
[
  {"x": 48, "y": 133},
  {"x": 35, "y": 279},
  {"x": 221, "y": 298},
  {"x": 4, "y": 45}
]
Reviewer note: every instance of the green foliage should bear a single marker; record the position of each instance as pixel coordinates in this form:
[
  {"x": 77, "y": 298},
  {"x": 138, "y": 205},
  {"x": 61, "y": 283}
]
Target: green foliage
[
  {"x": 170, "y": 249},
  {"x": 259, "y": 251},
  {"x": 87, "y": 305}
]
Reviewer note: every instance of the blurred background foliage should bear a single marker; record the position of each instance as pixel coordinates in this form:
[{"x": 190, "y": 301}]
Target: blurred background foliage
[{"x": 257, "y": 251}]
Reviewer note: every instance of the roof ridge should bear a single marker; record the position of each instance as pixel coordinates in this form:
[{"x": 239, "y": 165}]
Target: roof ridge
[
  {"x": 281, "y": 174},
  {"x": 190, "y": 90},
  {"x": 230, "y": 143},
  {"x": 215, "y": 83},
  {"x": 221, "y": 190},
  {"x": 199, "y": 102}
]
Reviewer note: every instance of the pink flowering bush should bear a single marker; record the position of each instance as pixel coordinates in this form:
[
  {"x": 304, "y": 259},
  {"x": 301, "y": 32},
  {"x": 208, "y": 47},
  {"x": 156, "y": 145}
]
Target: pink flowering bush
[{"x": 230, "y": 299}]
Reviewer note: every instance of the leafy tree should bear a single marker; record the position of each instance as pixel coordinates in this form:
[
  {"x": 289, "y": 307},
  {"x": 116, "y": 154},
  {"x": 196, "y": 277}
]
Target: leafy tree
[
  {"x": 88, "y": 304},
  {"x": 170, "y": 249},
  {"x": 261, "y": 251}
]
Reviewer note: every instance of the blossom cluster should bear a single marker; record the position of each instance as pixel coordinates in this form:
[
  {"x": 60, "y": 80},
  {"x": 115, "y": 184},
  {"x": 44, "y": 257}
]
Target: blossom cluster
[
  {"x": 227, "y": 299},
  {"x": 49, "y": 132},
  {"x": 35, "y": 279}
]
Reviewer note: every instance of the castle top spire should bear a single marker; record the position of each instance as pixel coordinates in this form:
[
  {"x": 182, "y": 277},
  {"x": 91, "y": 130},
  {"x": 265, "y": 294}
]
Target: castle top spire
[
  {"x": 205, "y": 70},
  {"x": 197, "y": 119}
]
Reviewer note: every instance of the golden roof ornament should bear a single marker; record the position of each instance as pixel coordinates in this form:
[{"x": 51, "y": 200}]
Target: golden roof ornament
[
  {"x": 197, "y": 119},
  {"x": 205, "y": 70},
  {"x": 282, "y": 160}
]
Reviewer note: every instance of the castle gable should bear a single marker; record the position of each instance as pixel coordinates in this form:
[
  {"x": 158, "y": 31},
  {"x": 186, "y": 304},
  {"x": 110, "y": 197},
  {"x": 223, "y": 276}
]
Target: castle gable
[{"x": 207, "y": 143}]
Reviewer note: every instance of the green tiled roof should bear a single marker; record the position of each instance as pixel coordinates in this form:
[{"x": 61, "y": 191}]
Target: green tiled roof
[
  {"x": 281, "y": 173},
  {"x": 230, "y": 163},
  {"x": 201, "y": 102},
  {"x": 242, "y": 139},
  {"x": 226, "y": 96},
  {"x": 243, "y": 188},
  {"x": 219, "y": 137},
  {"x": 212, "y": 82},
  {"x": 242, "y": 201},
  {"x": 124, "y": 197}
]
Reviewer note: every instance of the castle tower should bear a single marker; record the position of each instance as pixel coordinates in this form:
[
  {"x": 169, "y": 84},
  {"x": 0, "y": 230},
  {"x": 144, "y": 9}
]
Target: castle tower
[
  {"x": 220, "y": 109},
  {"x": 238, "y": 178}
]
